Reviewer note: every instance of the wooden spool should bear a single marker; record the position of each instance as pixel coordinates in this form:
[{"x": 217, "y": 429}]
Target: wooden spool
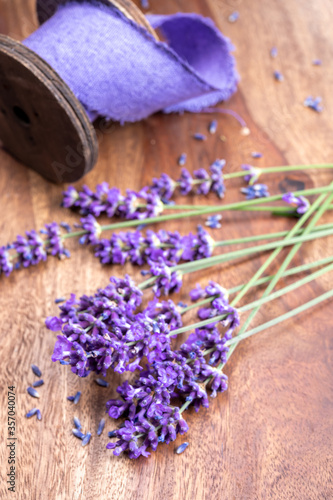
[{"x": 42, "y": 123}]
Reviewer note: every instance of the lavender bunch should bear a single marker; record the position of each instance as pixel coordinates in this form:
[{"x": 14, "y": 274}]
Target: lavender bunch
[
  {"x": 149, "y": 201},
  {"x": 148, "y": 404}
]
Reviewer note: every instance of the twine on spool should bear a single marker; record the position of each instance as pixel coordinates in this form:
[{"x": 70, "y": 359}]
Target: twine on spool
[{"x": 118, "y": 70}]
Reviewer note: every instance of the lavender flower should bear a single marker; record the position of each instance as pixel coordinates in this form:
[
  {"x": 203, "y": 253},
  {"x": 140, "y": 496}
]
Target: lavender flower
[
  {"x": 255, "y": 191},
  {"x": 185, "y": 182},
  {"x": 29, "y": 250},
  {"x": 299, "y": 202},
  {"x": 254, "y": 173},
  {"x": 93, "y": 229},
  {"x": 54, "y": 243},
  {"x": 167, "y": 281},
  {"x": 164, "y": 187}
]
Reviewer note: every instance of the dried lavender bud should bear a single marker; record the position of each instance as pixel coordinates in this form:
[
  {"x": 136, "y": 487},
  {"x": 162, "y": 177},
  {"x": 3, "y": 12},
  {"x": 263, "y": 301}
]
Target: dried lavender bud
[
  {"x": 31, "y": 413},
  {"x": 181, "y": 448},
  {"x": 213, "y": 221},
  {"x": 32, "y": 392},
  {"x": 278, "y": 76},
  {"x": 182, "y": 159},
  {"x": 274, "y": 52},
  {"x": 101, "y": 427},
  {"x": 38, "y": 383},
  {"x": 77, "y": 398},
  {"x": 86, "y": 439},
  {"x": 77, "y": 423},
  {"x": 313, "y": 103},
  {"x": 39, "y": 415},
  {"x": 60, "y": 300},
  {"x": 199, "y": 137},
  {"x": 234, "y": 16},
  {"x": 36, "y": 370},
  {"x": 256, "y": 154},
  {"x": 212, "y": 127},
  {"x": 77, "y": 433},
  {"x": 70, "y": 398},
  {"x": 101, "y": 382}
]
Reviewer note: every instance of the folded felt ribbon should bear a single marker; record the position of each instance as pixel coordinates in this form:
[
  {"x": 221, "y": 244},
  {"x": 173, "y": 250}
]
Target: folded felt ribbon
[{"x": 119, "y": 71}]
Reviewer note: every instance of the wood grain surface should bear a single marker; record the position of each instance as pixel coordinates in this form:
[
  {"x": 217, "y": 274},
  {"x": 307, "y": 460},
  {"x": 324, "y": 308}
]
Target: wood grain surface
[{"x": 270, "y": 435}]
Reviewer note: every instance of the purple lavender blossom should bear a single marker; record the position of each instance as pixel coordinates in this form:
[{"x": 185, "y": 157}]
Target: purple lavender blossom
[
  {"x": 54, "y": 244},
  {"x": 6, "y": 265},
  {"x": 253, "y": 175},
  {"x": 299, "y": 202},
  {"x": 185, "y": 182},
  {"x": 164, "y": 187},
  {"x": 148, "y": 403},
  {"x": 93, "y": 229},
  {"x": 167, "y": 281},
  {"x": 255, "y": 191},
  {"x": 199, "y": 137}
]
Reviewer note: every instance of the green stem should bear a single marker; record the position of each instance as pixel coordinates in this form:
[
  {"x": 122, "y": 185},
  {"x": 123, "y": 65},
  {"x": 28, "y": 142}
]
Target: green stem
[
  {"x": 273, "y": 170},
  {"x": 261, "y": 281},
  {"x": 218, "y": 259},
  {"x": 211, "y": 209},
  {"x": 279, "y": 319}
]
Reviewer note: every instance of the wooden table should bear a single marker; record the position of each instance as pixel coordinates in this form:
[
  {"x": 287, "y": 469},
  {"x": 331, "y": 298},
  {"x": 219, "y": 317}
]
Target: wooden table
[{"x": 270, "y": 435}]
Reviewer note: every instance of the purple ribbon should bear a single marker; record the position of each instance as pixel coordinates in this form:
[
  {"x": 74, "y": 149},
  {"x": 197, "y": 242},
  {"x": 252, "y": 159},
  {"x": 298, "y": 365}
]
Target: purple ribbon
[{"x": 119, "y": 71}]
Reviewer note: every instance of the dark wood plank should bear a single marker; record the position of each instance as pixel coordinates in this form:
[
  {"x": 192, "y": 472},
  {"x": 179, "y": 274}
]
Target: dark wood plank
[{"x": 270, "y": 435}]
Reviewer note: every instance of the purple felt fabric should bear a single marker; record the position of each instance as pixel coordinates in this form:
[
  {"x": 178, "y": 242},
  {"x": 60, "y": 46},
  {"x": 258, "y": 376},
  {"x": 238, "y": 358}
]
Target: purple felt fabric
[{"x": 119, "y": 71}]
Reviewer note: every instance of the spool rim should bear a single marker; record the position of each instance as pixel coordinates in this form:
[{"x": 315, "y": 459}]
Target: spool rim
[
  {"x": 46, "y": 9},
  {"x": 57, "y": 94}
]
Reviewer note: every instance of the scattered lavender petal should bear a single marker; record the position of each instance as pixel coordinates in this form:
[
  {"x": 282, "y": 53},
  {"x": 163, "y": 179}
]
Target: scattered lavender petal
[
  {"x": 182, "y": 159},
  {"x": 317, "y": 62},
  {"x": 101, "y": 427},
  {"x": 274, "y": 52},
  {"x": 213, "y": 221},
  {"x": 234, "y": 16},
  {"x": 36, "y": 370},
  {"x": 77, "y": 423},
  {"x": 38, "y": 383},
  {"x": 199, "y": 137},
  {"x": 278, "y": 76},
  {"x": 181, "y": 448},
  {"x": 256, "y": 154},
  {"x": 212, "y": 128},
  {"x": 313, "y": 103},
  {"x": 101, "y": 382},
  {"x": 77, "y": 398},
  {"x": 181, "y": 304},
  {"x": 66, "y": 226},
  {"x": 70, "y": 398},
  {"x": 112, "y": 434},
  {"x": 31, "y": 413},
  {"x": 86, "y": 439},
  {"x": 32, "y": 392},
  {"x": 39, "y": 415},
  {"x": 77, "y": 433}
]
